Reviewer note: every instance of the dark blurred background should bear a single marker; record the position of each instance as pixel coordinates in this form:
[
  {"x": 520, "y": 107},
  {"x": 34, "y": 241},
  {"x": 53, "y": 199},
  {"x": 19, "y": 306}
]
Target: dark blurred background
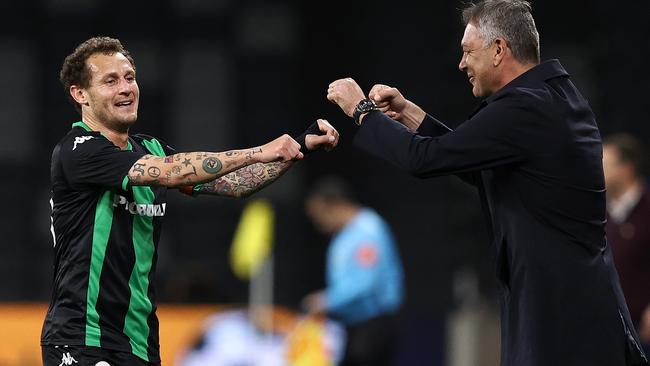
[{"x": 217, "y": 75}]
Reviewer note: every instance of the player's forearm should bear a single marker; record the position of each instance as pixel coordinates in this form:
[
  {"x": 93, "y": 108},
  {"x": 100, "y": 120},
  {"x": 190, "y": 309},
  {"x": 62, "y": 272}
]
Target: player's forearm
[
  {"x": 245, "y": 181},
  {"x": 189, "y": 168}
]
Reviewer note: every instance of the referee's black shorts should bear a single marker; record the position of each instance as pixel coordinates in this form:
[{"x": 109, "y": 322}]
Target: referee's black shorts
[{"x": 89, "y": 356}]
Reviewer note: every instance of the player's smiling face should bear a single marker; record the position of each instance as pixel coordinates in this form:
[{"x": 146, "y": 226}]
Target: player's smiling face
[{"x": 113, "y": 92}]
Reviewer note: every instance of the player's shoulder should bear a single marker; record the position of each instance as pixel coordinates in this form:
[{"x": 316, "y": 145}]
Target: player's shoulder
[
  {"x": 154, "y": 145},
  {"x": 139, "y": 137},
  {"x": 81, "y": 141}
]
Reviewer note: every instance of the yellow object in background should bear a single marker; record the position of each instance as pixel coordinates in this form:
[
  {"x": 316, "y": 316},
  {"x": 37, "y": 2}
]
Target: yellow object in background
[
  {"x": 253, "y": 238},
  {"x": 306, "y": 344}
]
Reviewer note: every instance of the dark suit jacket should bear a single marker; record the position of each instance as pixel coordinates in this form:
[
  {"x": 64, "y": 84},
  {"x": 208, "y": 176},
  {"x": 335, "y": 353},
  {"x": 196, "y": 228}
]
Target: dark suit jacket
[{"x": 534, "y": 151}]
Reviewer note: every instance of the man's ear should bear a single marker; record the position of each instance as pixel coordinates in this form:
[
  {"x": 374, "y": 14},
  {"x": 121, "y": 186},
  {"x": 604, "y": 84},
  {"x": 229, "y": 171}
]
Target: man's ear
[
  {"x": 500, "y": 48},
  {"x": 79, "y": 94}
]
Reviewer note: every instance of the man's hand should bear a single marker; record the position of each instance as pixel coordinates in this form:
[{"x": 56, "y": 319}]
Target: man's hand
[
  {"x": 346, "y": 93},
  {"x": 314, "y": 303},
  {"x": 644, "y": 325},
  {"x": 394, "y": 105},
  {"x": 284, "y": 148},
  {"x": 389, "y": 100},
  {"x": 328, "y": 140}
]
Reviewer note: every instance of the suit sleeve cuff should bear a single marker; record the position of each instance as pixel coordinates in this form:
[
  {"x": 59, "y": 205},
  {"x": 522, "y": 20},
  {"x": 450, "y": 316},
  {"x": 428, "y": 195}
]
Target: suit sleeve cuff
[{"x": 432, "y": 127}]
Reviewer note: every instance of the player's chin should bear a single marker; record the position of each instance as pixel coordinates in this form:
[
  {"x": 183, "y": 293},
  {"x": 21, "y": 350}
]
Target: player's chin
[{"x": 128, "y": 119}]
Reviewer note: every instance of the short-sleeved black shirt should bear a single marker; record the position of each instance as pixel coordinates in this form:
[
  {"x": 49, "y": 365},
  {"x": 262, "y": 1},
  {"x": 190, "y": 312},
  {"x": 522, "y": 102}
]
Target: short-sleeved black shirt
[{"x": 105, "y": 245}]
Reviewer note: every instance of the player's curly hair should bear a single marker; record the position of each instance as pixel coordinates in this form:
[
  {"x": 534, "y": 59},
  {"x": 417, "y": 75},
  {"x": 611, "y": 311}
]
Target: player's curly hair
[{"x": 75, "y": 71}]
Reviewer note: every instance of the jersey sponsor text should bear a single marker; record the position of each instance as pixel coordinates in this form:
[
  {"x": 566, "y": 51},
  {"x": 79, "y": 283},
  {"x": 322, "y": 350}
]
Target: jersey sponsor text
[{"x": 140, "y": 209}]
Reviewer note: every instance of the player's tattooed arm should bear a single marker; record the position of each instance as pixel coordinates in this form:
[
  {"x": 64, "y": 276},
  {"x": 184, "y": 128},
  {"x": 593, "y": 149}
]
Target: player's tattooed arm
[
  {"x": 245, "y": 181},
  {"x": 193, "y": 168}
]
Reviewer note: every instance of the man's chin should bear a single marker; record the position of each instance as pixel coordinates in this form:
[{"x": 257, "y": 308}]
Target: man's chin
[
  {"x": 129, "y": 120},
  {"x": 123, "y": 124},
  {"x": 479, "y": 93}
]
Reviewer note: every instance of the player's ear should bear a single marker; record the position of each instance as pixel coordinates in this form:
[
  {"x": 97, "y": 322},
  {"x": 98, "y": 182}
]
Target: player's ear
[{"x": 78, "y": 94}]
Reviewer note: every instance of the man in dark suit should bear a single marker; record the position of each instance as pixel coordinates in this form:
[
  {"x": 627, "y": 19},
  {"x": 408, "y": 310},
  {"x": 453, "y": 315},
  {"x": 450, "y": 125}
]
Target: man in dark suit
[
  {"x": 628, "y": 215},
  {"x": 533, "y": 150}
]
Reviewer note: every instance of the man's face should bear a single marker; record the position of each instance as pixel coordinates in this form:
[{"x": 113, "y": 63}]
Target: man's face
[
  {"x": 322, "y": 214},
  {"x": 113, "y": 93},
  {"x": 477, "y": 62}
]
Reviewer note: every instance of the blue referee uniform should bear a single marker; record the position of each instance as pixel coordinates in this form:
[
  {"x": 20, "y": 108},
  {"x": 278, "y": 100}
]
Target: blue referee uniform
[{"x": 364, "y": 271}]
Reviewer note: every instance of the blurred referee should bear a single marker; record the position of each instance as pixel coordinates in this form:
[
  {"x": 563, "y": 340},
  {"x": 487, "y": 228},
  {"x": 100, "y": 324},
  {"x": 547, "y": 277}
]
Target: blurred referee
[{"x": 108, "y": 204}]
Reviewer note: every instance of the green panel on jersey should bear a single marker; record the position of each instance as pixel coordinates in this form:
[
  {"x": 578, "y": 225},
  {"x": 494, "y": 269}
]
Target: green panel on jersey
[
  {"x": 154, "y": 147},
  {"x": 135, "y": 323},
  {"x": 125, "y": 181},
  {"x": 197, "y": 188},
  {"x": 82, "y": 125},
  {"x": 101, "y": 232},
  {"x": 136, "y": 326}
]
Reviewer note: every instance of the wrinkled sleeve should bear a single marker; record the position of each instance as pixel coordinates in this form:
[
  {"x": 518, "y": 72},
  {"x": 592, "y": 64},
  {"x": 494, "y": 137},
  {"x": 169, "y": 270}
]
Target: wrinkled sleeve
[
  {"x": 495, "y": 136},
  {"x": 94, "y": 161}
]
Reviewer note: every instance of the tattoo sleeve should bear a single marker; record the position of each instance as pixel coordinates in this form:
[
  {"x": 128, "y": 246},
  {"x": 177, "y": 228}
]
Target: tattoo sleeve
[
  {"x": 190, "y": 168},
  {"x": 247, "y": 180}
]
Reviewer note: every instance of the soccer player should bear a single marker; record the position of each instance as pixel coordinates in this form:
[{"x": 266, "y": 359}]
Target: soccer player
[{"x": 108, "y": 204}]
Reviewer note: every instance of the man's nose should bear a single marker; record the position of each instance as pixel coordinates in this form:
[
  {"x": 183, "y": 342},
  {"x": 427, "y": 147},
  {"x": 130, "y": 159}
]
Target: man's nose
[
  {"x": 124, "y": 87},
  {"x": 462, "y": 65}
]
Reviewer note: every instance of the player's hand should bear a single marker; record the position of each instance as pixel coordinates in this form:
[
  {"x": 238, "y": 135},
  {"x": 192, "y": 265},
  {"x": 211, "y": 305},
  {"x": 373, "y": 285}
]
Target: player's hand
[
  {"x": 284, "y": 148},
  {"x": 389, "y": 100},
  {"x": 644, "y": 326},
  {"x": 328, "y": 140},
  {"x": 346, "y": 93}
]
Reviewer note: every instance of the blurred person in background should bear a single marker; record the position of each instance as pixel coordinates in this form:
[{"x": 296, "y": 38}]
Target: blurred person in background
[
  {"x": 108, "y": 202},
  {"x": 628, "y": 224},
  {"x": 533, "y": 150},
  {"x": 364, "y": 276}
]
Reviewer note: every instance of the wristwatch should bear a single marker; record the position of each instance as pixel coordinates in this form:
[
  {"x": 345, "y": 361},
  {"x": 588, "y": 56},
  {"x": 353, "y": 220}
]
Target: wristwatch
[{"x": 364, "y": 106}]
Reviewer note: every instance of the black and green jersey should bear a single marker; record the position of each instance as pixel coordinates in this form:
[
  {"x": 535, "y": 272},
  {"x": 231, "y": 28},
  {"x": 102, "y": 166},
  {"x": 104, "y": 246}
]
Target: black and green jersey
[{"x": 105, "y": 245}]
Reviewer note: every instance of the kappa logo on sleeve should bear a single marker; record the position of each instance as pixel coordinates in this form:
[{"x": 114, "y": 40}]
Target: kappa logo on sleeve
[
  {"x": 80, "y": 140},
  {"x": 366, "y": 255}
]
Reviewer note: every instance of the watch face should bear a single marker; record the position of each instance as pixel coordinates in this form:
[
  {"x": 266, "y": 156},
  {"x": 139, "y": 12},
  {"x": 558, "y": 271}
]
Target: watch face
[{"x": 366, "y": 105}]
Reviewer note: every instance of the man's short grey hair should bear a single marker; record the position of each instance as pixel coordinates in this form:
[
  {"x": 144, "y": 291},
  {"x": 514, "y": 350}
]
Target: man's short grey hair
[{"x": 510, "y": 20}]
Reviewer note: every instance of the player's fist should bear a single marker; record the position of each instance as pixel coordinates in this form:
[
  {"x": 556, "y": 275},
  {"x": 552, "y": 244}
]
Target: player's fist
[
  {"x": 284, "y": 148},
  {"x": 328, "y": 139}
]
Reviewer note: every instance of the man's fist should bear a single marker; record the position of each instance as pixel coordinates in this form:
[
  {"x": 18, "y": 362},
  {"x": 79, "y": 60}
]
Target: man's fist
[
  {"x": 346, "y": 93},
  {"x": 389, "y": 100}
]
